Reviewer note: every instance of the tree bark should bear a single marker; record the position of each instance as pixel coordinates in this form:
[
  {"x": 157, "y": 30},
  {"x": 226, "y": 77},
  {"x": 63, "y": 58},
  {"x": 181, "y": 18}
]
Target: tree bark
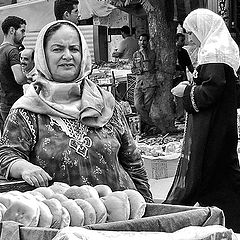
[{"x": 163, "y": 39}]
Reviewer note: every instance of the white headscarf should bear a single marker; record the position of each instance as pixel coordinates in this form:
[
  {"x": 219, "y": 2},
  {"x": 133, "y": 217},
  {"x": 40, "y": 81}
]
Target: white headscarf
[
  {"x": 217, "y": 45},
  {"x": 80, "y": 99},
  {"x": 40, "y": 58}
]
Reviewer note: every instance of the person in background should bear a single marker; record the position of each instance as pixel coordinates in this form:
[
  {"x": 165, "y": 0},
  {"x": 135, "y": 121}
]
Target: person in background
[
  {"x": 28, "y": 66},
  {"x": 11, "y": 76},
  {"x": 127, "y": 46},
  {"x": 66, "y": 10},
  {"x": 144, "y": 67},
  {"x": 208, "y": 172},
  {"x": 71, "y": 130},
  {"x": 183, "y": 62}
]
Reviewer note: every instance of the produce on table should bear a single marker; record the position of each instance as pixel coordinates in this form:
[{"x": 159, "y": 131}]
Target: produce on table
[
  {"x": 43, "y": 208},
  {"x": 156, "y": 149}
]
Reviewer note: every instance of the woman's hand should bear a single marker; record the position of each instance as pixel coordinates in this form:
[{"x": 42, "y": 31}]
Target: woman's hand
[
  {"x": 36, "y": 176},
  {"x": 32, "y": 174},
  {"x": 179, "y": 89}
]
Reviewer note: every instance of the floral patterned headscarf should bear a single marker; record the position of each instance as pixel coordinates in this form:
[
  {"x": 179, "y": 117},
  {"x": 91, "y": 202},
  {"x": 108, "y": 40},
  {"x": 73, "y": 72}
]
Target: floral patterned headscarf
[
  {"x": 80, "y": 99},
  {"x": 217, "y": 45}
]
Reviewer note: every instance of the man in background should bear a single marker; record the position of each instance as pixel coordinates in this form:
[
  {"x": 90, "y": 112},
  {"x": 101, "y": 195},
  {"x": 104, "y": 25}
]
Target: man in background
[
  {"x": 127, "y": 46},
  {"x": 11, "y": 76},
  {"x": 183, "y": 62},
  {"x": 66, "y": 10},
  {"x": 28, "y": 65},
  {"x": 144, "y": 67}
]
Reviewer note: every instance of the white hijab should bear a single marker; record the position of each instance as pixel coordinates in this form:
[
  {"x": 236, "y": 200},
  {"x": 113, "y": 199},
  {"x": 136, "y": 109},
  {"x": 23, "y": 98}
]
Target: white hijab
[{"x": 217, "y": 45}]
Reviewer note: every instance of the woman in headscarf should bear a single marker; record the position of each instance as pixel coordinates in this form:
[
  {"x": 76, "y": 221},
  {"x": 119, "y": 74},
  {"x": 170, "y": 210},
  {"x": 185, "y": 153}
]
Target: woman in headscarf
[
  {"x": 208, "y": 171},
  {"x": 66, "y": 128}
]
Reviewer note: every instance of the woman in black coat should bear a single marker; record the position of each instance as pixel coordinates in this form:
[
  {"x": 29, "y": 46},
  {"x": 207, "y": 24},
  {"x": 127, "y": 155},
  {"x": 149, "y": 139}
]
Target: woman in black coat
[{"x": 208, "y": 171}]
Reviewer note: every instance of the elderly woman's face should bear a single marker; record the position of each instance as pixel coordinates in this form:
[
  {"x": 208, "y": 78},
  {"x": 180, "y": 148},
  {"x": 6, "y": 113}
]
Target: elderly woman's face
[{"x": 63, "y": 54}]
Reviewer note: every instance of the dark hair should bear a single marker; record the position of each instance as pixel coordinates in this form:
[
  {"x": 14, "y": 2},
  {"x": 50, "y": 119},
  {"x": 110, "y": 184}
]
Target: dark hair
[
  {"x": 51, "y": 30},
  {"x": 178, "y": 35},
  {"x": 145, "y": 35},
  {"x": 61, "y": 6},
  {"x": 12, "y": 21},
  {"x": 125, "y": 29}
]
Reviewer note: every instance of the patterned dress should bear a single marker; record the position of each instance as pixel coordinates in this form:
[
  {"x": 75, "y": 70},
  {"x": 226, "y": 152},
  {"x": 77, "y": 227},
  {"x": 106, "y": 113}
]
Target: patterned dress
[{"x": 74, "y": 153}]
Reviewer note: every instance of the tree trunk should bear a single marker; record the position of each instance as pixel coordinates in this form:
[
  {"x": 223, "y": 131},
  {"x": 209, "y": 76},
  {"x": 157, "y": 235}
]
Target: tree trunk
[{"x": 163, "y": 39}]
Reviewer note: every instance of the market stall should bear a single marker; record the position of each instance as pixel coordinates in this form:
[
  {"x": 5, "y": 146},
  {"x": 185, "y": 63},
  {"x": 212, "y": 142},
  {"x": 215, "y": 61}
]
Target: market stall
[
  {"x": 18, "y": 197},
  {"x": 158, "y": 218}
]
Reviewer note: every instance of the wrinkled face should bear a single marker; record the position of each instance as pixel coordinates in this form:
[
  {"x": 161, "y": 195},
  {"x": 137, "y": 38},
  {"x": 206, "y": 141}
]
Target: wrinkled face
[
  {"x": 143, "y": 42},
  {"x": 19, "y": 34},
  {"x": 74, "y": 15},
  {"x": 63, "y": 54},
  {"x": 180, "y": 42},
  {"x": 26, "y": 60}
]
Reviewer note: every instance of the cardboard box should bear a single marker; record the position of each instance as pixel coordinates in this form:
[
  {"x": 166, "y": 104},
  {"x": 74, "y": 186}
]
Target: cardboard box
[{"x": 161, "y": 166}]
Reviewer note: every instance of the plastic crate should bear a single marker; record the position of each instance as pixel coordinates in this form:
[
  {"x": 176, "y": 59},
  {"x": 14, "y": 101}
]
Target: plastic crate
[{"x": 161, "y": 166}]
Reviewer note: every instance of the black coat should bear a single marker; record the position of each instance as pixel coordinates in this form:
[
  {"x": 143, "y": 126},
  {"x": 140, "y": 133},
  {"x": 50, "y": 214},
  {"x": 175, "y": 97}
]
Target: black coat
[{"x": 208, "y": 170}]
